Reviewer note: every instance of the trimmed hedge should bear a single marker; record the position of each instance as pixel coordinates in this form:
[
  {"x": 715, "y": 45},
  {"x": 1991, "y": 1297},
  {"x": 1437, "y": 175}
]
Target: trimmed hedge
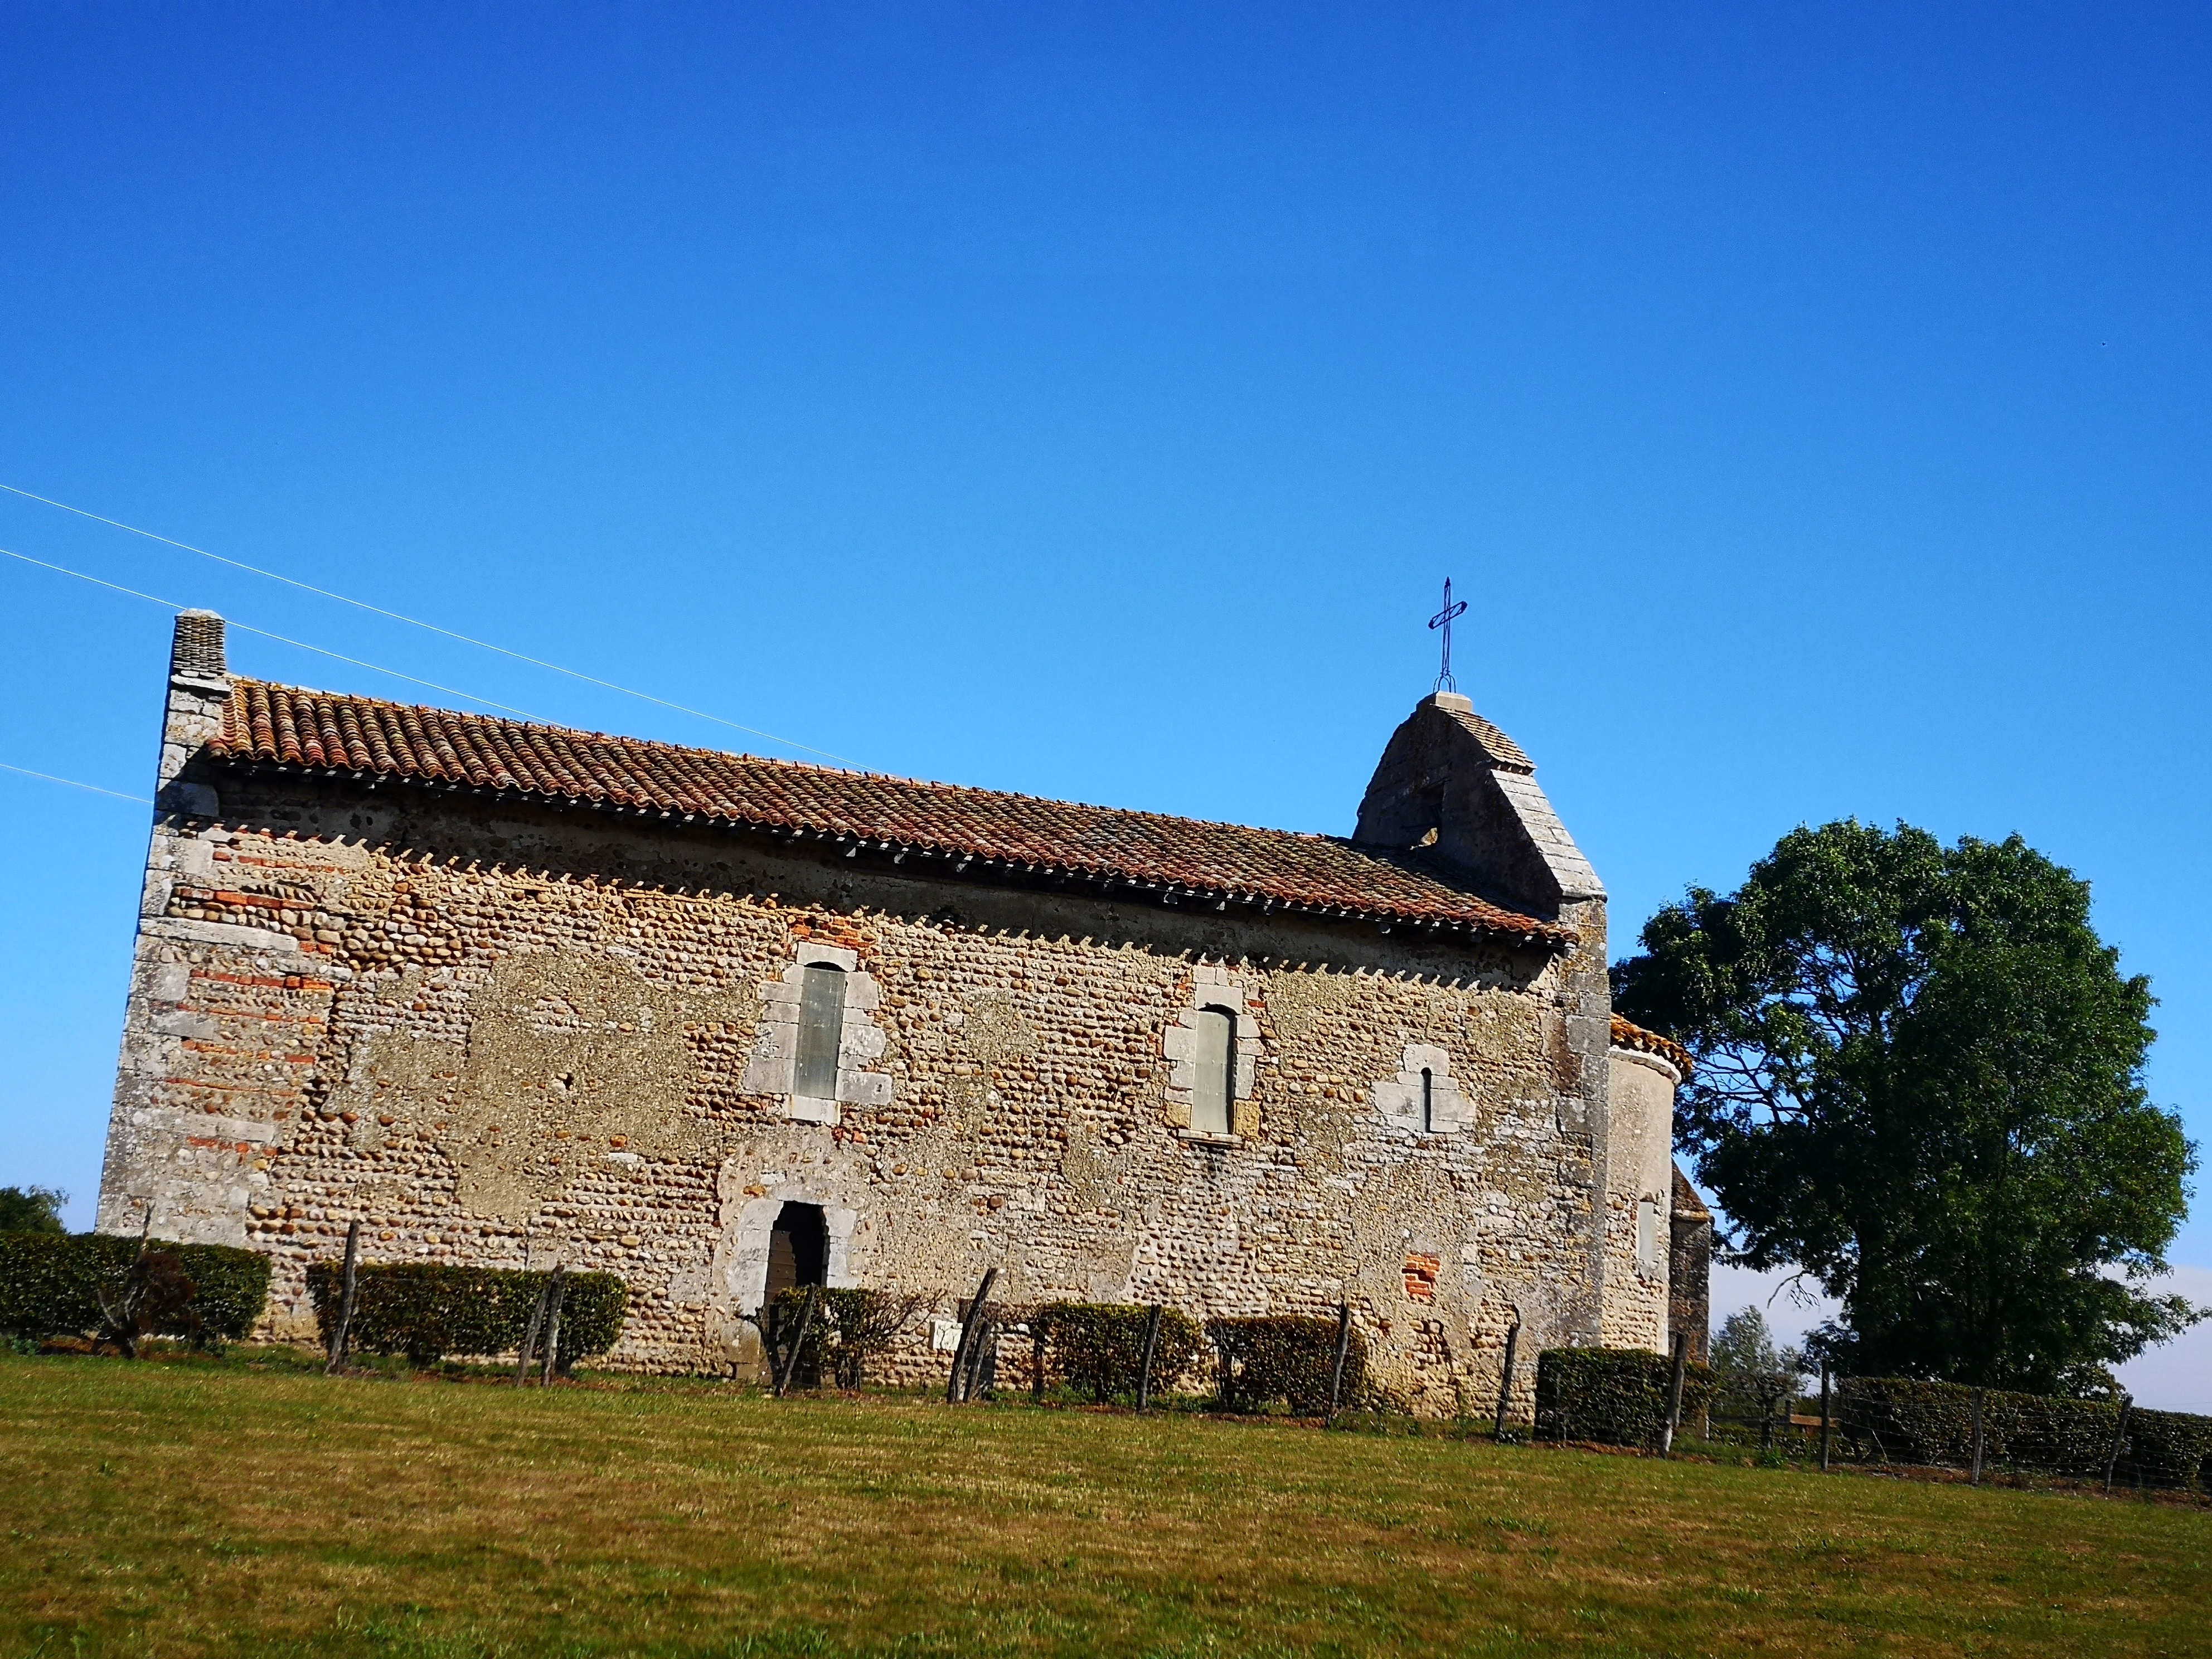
[
  {"x": 427, "y": 1310},
  {"x": 2167, "y": 1448},
  {"x": 1285, "y": 1357},
  {"x": 1902, "y": 1420},
  {"x": 1098, "y": 1347},
  {"x": 1614, "y": 1396},
  {"x": 50, "y": 1282}
]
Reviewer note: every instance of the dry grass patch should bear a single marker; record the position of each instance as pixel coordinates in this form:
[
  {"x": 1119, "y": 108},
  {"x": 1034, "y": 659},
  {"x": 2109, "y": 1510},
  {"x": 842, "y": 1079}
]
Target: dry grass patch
[{"x": 179, "y": 1509}]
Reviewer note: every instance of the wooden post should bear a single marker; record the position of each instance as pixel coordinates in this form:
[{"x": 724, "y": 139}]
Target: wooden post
[
  {"x": 529, "y": 1335},
  {"x": 340, "y": 1336},
  {"x": 1343, "y": 1348},
  {"x": 558, "y": 1287},
  {"x": 1975, "y": 1479},
  {"x": 790, "y": 1366},
  {"x": 1827, "y": 1423},
  {"x": 1505, "y": 1381},
  {"x": 1768, "y": 1399},
  {"x": 1039, "y": 1327},
  {"x": 982, "y": 1358},
  {"x": 1144, "y": 1370},
  {"x": 2119, "y": 1439},
  {"x": 955, "y": 1387},
  {"x": 1674, "y": 1393}
]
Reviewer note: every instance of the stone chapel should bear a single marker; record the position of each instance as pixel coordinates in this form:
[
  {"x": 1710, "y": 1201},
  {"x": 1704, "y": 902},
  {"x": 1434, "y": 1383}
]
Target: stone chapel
[{"x": 508, "y": 993}]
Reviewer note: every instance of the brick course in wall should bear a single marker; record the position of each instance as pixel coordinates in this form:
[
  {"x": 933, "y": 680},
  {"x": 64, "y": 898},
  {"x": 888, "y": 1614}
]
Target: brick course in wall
[{"x": 499, "y": 1029}]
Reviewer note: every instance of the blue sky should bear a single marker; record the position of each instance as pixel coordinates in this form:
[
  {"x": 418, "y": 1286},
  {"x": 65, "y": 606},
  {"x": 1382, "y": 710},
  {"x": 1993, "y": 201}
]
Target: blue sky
[{"x": 1090, "y": 400}]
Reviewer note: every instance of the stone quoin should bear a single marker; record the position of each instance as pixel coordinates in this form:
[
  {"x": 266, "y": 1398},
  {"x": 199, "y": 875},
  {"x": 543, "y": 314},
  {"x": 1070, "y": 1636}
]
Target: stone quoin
[{"x": 510, "y": 994}]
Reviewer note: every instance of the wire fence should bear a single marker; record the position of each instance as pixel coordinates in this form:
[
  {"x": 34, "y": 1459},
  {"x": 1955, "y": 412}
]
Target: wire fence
[{"x": 1900, "y": 1422}]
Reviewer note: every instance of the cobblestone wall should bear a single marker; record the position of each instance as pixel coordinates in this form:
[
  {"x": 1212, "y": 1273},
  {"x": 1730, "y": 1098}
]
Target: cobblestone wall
[{"x": 500, "y": 1034}]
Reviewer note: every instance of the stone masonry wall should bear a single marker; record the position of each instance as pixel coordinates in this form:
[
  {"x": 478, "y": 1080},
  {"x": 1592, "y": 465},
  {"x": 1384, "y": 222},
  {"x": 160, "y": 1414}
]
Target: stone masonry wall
[{"x": 502, "y": 1034}]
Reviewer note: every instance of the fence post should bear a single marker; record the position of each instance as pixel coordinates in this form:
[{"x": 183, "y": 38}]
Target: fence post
[
  {"x": 982, "y": 1362},
  {"x": 790, "y": 1367},
  {"x": 2119, "y": 1439},
  {"x": 1144, "y": 1370},
  {"x": 558, "y": 1289},
  {"x": 1674, "y": 1393},
  {"x": 338, "y": 1338},
  {"x": 1039, "y": 1327},
  {"x": 1343, "y": 1347},
  {"x": 1980, "y": 1396},
  {"x": 1826, "y": 1423},
  {"x": 955, "y": 1387},
  {"x": 1505, "y": 1381},
  {"x": 529, "y": 1335}
]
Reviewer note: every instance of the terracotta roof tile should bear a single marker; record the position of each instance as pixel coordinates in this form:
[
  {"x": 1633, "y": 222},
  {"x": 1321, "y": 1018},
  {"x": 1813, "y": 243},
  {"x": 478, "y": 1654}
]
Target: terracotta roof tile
[
  {"x": 285, "y": 726},
  {"x": 1628, "y": 1034}
]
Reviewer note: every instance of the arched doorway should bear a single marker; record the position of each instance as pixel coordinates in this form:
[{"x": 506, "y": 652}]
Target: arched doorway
[{"x": 798, "y": 1248}]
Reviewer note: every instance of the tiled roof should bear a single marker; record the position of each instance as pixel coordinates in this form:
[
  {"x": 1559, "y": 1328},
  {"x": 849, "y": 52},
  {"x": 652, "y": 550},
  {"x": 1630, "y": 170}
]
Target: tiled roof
[
  {"x": 285, "y": 726},
  {"x": 1687, "y": 1205},
  {"x": 1504, "y": 752},
  {"x": 1628, "y": 1034}
]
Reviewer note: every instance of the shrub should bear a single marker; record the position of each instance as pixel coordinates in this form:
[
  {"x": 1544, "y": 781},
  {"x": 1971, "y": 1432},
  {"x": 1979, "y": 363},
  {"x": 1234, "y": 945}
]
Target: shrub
[
  {"x": 427, "y": 1310},
  {"x": 1614, "y": 1396},
  {"x": 1098, "y": 1347},
  {"x": 1904, "y": 1420},
  {"x": 1286, "y": 1357},
  {"x": 2166, "y": 1449},
  {"x": 51, "y": 1285},
  {"x": 850, "y": 1327}
]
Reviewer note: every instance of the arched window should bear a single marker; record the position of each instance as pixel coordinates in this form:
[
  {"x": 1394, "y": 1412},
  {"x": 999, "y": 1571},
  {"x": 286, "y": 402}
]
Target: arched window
[
  {"x": 821, "y": 1029},
  {"x": 1216, "y": 1086},
  {"x": 1428, "y": 1101}
]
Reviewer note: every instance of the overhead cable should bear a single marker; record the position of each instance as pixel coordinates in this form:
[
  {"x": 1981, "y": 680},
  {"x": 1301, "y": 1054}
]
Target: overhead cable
[
  {"x": 246, "y": 628},
  {"x": 416, "y": 621},
  {"x": 48, "y": 777}
]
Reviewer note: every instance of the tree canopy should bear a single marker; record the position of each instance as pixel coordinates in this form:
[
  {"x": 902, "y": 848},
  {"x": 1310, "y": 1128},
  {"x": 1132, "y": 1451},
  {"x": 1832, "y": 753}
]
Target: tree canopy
[
  {"x": 31, "y": 1210},
  {"x": 1920, "y": 1080},
  {"x": 1744, "y": 1347}
]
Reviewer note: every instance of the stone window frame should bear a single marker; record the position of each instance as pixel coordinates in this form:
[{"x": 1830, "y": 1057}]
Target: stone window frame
[
  {"x": 1398, "y": 1099},
  {"x": 861, "y": 1041},
  {"x": 1213, "y": 988},
  {"x": 1653, "y": 1239}
]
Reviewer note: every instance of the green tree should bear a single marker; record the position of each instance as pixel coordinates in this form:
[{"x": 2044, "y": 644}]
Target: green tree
[
  {"x": 1920, "y": 1080},
  {"x": 31, "y": 1210},
  {"x": 1744, "y": 1346}
]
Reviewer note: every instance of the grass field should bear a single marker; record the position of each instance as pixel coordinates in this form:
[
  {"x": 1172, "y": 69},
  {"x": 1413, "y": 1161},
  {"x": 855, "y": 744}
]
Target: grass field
[{"x": 177, "y": 1508}]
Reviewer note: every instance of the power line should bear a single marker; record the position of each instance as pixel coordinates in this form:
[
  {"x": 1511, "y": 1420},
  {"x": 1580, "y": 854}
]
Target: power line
[
  {"x": 48, "y": 777},
  {"x": 416, "y": 621},
  {"x": 246, "y": 627}
]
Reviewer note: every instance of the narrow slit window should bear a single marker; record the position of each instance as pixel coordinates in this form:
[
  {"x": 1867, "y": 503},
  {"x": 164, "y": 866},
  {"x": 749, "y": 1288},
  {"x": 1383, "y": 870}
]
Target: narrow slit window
[
  {"x": 1428, "y": 1101},
  {"x": 1217, "y": 1071},
  {"x": 821, "y": 1029},
  {"x": 1647, "y": 1232}
]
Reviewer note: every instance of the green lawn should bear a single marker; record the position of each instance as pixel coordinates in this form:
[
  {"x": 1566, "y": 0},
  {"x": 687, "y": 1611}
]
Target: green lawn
[{"x": 179, "y": 1508}]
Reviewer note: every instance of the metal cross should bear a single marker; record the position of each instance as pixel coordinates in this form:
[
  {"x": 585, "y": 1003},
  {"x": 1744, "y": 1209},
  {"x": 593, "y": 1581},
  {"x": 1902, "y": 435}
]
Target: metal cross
[{"x": 1444, "y": 619}]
